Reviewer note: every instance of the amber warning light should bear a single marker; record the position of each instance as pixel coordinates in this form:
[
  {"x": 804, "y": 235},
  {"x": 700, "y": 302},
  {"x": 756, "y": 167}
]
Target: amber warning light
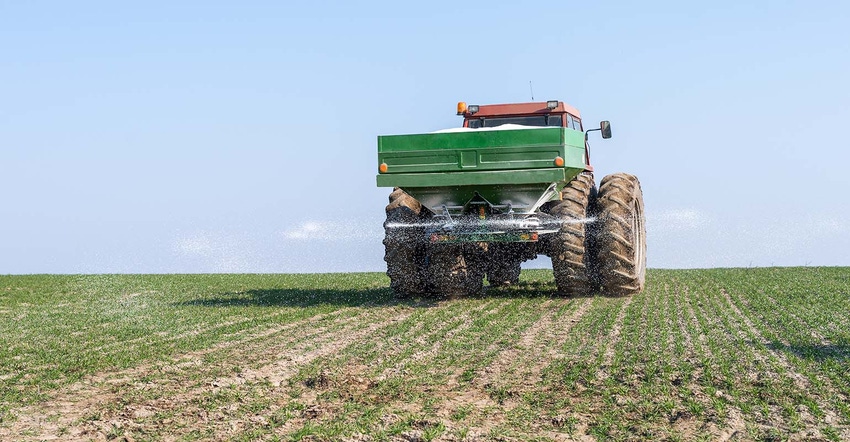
[{"x": 461, "y": 107}]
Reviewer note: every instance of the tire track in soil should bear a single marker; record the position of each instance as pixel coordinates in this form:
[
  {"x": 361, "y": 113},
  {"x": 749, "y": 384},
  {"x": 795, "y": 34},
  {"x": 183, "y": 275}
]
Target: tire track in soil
[
  {"x": 735, "y": 422},
  {"x": 635, "y": 329},
  {"x": 463, "y": 324},
  {"x": 225, "y": 429},
  {"x": 700, "y": 346},
  {"x": 423, "y": 357},
  {"x": 687, "y": 339},
  {"x": 357, "y": 374},
  {"x": 563, "y": 328},
  {"x": 696, "y": 350},
  {"x": 554, "y": 333},
  {"x": 545, "y": 350},
  {"x": 226, "y": 340},
  {"x": 258, "y": 338},
  {"x": 194, "y": 360},
  {"x": 592, "y": 350},
  {"x": 608, "y": 355},
  {"x": 275, "y": 373},
  {"x": 504, "y": 358},
  {"x": 735, "y": 425},
  {"x": 285, "y": 366},
  {"x": 491, "y": 347},
  {"x": 99, "y": 388},
  {"x": 490, "y": 375},
  {"x": 605, "y": 351},
  {"x": 475, "y": 394},
  {"x": 801, "y": 381},
  {"x": 96, "y": 395},
  {"x": 391, "y": 347},
  {"x": 671, "y": 322},
  {"x": 193, "y": 332},
  {"x": 394, "y": 343},
  {"x": 710, "y": 327},
  {"x": 535, "y": 350}
]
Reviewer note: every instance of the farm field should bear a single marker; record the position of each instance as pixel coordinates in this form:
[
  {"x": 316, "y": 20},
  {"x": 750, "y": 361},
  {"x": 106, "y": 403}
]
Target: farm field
[{"x": 719, "y": 354}]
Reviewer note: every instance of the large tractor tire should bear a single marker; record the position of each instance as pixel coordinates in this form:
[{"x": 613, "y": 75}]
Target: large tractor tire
[
  {"x": 404, "y": 244},
  {"x": 621, "y": 235},
  {"x": 570, "y": 247},
  {"x": 455, "y": 270}
]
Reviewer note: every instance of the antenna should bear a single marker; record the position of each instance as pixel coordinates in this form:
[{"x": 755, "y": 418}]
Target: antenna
[{"x": 532, "y": 90}]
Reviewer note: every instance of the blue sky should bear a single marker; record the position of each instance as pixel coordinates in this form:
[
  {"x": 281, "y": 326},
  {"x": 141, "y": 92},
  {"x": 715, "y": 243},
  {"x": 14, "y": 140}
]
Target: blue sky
[{"x": 223, "y": 137}]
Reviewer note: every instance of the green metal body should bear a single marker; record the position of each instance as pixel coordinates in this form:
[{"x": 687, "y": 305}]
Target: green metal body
[{"x": 513, "y": 166}]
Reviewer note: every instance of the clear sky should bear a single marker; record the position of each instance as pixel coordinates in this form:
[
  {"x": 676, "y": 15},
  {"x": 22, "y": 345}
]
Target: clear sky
[{"x": 240, "y": 136}]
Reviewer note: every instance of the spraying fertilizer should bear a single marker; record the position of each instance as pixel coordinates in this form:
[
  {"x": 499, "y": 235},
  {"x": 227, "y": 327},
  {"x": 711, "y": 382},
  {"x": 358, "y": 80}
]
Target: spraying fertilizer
[
  {"x": 495, "y": 223},
  {"x": 513, "y": 183}
]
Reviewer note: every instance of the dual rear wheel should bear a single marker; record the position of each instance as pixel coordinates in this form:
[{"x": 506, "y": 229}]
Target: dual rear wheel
[
  {"x": 620, "y": 236},
  {"x": 601, "y": 245}
]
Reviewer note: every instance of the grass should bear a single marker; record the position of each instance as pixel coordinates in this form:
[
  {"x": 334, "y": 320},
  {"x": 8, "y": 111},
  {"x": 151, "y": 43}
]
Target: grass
[{"x": 750, "y": 354}]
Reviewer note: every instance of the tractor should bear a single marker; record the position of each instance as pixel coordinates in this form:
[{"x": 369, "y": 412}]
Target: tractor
[{"x": 514, "y": 182}]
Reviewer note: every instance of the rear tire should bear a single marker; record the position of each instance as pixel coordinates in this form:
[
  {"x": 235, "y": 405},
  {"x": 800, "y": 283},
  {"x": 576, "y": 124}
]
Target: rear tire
[
  {"x": 569, "y": 247},
  {"x": 404, "y": 245},
  {"x": 621, "y": 236}
]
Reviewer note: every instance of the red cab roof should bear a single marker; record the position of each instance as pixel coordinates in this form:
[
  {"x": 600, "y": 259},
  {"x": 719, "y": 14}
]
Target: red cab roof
[{"x": 494, "y": 110}]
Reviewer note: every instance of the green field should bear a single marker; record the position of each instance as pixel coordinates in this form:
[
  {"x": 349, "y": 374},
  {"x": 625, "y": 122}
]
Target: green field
[{"x": 722, "y": 354}]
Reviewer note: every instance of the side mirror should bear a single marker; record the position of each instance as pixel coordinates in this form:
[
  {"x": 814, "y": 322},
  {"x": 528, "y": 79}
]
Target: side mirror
[{"x": 605, "y": 127}]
